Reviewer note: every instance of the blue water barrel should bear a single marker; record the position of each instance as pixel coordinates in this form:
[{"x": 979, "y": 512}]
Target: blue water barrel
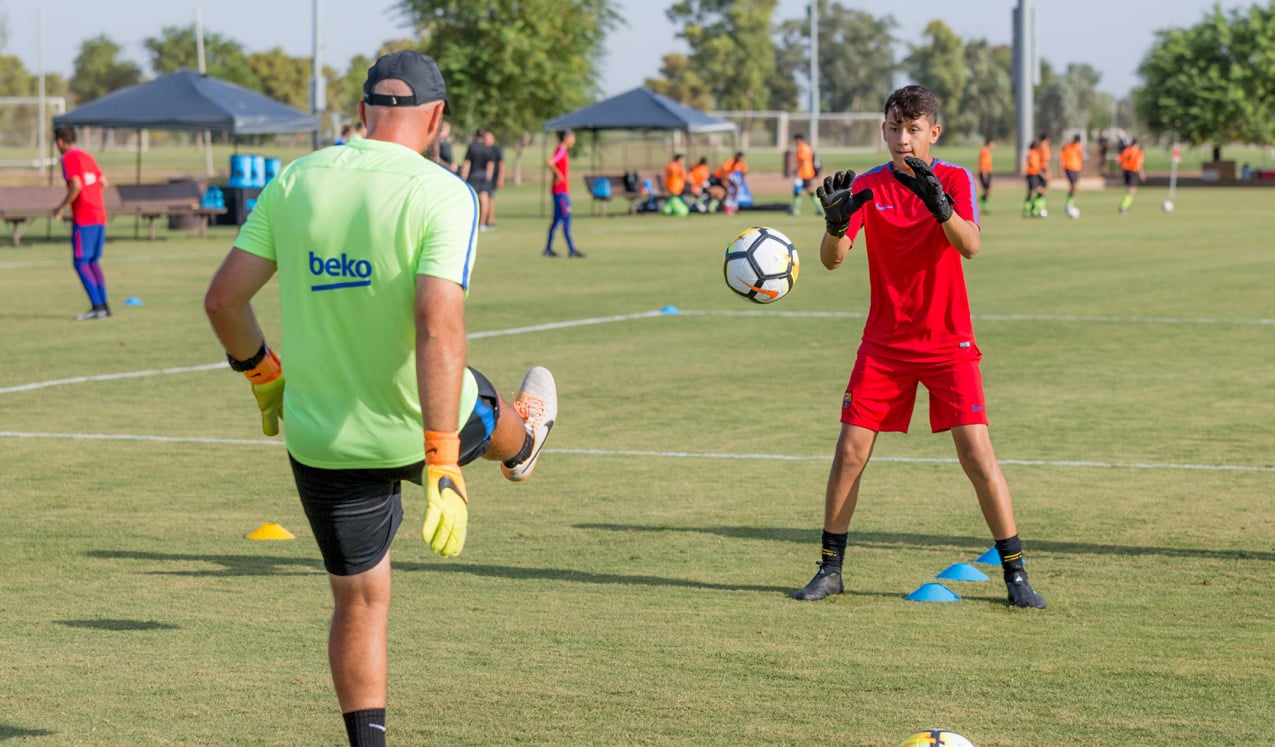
[
  {"x": 240, "y": 171},
  {"x": 272, "y": 168},
  {"x": 258, "y": 171}
]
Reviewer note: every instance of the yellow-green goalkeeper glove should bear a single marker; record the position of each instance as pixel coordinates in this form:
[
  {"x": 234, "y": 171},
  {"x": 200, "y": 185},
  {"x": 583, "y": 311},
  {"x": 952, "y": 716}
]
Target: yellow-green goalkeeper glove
[
  {"x": 446, "y": 508},
  {"x": 265, "y": 373}
]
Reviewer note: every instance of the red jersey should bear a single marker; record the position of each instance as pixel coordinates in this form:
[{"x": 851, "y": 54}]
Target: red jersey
[
  {"x": 562, "y": 162},
  {"x": 88, "y": 208},
  {"x": 920, "y": 311}
]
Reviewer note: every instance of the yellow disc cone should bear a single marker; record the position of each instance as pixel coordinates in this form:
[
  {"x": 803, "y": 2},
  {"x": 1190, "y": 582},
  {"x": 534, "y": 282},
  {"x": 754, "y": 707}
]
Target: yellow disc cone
[{"x": 270, "y": 531}]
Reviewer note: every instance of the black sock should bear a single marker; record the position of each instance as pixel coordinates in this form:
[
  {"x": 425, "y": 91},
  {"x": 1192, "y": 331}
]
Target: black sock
[
  {"x": 366, "y": 728},
  {"x": 521, "y": 456},
  {"x": 833, "y": 554},
  {"x": 1011, "y": 551}
]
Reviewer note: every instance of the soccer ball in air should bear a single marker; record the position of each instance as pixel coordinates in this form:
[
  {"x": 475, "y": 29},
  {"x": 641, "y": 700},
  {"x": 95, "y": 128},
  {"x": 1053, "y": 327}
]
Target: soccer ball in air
[
  {"x": 761, "y": 265},
  {"x": 1073, "y": 211},
  {"x": 936, "y": 738}
]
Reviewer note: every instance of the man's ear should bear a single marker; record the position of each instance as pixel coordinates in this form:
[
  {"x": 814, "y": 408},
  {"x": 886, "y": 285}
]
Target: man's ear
[{"x": 935, "y": 131}]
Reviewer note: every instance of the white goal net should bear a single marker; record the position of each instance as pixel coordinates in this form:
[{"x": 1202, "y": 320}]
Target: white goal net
[
  {"x": 26, "y": 140},
  {"x": 773, "y": 130}
]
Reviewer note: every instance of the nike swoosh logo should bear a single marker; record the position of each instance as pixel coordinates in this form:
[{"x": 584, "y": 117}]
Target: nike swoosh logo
[
  {"x": 977, "y": 408},
  {"x": 378, "y": 727},
  {"x": 541, "y": 445},
  {"x": 885, "y": 207},
  {"x": 447, "y": 483}
]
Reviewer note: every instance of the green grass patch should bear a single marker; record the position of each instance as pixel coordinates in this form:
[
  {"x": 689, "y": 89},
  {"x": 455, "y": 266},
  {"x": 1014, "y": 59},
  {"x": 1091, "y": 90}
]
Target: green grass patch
[{"x": 637, "y": 589}]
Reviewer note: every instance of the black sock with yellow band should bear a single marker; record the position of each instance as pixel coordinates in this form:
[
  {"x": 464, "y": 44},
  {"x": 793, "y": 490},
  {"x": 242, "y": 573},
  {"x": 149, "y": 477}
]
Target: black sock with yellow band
[
  {"x": 1011, "y": 552},
  {"x": 833, "y": 553}
]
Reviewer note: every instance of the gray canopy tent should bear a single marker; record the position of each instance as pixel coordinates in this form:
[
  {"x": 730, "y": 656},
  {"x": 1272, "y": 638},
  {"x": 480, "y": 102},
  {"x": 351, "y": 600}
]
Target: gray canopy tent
[
  {"x": 639, "y": 109},
  {"x": 187, "y": 100}
]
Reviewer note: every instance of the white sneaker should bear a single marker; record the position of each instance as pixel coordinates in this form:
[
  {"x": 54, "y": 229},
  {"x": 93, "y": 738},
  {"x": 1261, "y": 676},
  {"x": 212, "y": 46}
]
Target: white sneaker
[{"x": 537, "y": 403}]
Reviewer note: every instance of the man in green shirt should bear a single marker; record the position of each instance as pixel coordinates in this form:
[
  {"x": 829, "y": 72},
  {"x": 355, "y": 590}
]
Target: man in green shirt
[{"x": 373, "y": 244}]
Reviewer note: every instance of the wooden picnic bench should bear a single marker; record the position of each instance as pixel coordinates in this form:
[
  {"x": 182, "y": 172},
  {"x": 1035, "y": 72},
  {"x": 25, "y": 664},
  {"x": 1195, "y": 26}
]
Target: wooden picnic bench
[{"x": 150, "y": 202}]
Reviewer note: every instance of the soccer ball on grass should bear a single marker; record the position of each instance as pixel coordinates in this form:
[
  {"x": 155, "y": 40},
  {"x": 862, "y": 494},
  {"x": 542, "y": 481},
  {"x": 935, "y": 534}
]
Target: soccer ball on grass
[
  {"x": 1073, "y": 211},
  {"x": 936, "y": 738},
  {"x": 761, "y": 265}
]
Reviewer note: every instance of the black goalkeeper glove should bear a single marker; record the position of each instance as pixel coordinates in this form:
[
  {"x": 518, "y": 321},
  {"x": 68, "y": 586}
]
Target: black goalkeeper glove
[
  {"x": 839, "y": 203},
  {"x": 926, "y": 186}
]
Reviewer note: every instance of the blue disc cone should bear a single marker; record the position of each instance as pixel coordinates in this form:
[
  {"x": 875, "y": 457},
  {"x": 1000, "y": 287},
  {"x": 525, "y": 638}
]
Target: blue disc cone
[
  {"x": 962, "y": 572},
  {"x": 991, "y": 557},
  {"x": 933, "y": 592},
  {"x": 670, "y": 310},
  {"x": 132, "y": 301}
]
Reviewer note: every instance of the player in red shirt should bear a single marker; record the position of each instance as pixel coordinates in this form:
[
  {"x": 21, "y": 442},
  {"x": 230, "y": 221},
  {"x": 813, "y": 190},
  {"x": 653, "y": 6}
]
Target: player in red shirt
[
  {"x": 84, "y": 186},
  {"x": 560, "y": 166},
  {"x": 920, "y": 219}
]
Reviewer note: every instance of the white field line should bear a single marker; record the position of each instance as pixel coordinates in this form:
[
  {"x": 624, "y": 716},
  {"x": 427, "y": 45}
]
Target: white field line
[
  {"x": 664, "y": 454},
  {"x": 1001, "y": 317},
  {"x": 111, "y": 377},
  {"x": 1074, "y": 464}
]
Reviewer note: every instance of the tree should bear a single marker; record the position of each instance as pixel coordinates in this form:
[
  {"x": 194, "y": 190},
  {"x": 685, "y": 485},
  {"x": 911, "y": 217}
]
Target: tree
[
  {"x": 856, "y": 57},
  {"x": 283, "y": 77},
  {"x": 99, "y": 70},
  {"x": 939, "y": 65},
  {"x": 987, "y": 105},
  {"x": 175, "y": 48},
  {"x": 512, "y": 64},
  {"x": 681, "y": 82},
  {"x": 731, "y": 47},
  {"x": 1067, "y": 100},
  {"x": 1213, "y": 82}
]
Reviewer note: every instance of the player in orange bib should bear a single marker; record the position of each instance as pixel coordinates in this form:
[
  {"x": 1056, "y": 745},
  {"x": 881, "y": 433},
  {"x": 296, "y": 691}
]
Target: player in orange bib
[
  {"x": 1131, "y": 161},
  {"x": 1073, "y": 160},
  {"x": 804, "y": 181},
  {"x": 1034, "y": 205},
  {"x": 985, "y": 171}
]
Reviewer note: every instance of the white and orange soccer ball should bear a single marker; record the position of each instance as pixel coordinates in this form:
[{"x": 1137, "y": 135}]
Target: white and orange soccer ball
[
  {"x": 936, "y": 738},
  {"x": 761, "y": 265}
]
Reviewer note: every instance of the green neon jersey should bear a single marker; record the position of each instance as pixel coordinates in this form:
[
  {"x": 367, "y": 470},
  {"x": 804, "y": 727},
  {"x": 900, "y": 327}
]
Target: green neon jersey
[{"x": 350, "y": 228}]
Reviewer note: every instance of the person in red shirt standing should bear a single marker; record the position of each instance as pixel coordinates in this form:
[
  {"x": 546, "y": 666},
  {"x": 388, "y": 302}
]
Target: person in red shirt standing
[
  {"x": 84, "y": 186},
  {"x": 920, "y": 220},
  {"x": 560, "y": 166}
]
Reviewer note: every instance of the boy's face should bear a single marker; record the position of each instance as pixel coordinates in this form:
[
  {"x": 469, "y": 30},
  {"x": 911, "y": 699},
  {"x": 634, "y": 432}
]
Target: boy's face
[{"x": 909, "y": 137}]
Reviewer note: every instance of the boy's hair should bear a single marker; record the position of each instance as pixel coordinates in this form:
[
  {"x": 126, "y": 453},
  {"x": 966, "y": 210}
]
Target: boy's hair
[
  {"x": 65, "y": 134},
  {"x": 913, "y": 102},
  {"x": 562, "y": 135}
]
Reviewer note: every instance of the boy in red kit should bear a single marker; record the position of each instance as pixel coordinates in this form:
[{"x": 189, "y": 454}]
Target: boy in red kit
[
  {"x": 84, "y": 185},
  {"x": 920, "y": 219}
]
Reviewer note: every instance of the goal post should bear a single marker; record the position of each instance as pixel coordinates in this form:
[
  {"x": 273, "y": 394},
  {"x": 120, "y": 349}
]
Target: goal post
[
  {"x": 25, "y": 140},
  {"x": 772, "y": 130}
]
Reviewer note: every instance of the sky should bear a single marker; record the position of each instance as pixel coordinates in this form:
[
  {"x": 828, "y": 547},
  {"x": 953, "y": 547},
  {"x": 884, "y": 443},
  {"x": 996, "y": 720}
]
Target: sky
[{"x": 1110, "y": 35}]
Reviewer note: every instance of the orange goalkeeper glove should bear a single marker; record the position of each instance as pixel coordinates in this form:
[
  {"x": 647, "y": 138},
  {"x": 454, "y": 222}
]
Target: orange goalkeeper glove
[
  {"x": 265, "y": 373},
  {"x": 447, "y": 508}
]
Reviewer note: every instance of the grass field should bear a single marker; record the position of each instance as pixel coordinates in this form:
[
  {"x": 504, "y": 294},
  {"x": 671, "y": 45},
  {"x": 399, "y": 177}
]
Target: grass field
[{"x": 637, "y": 589}]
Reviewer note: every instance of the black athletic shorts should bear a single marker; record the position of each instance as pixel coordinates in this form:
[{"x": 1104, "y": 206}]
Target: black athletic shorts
[
  {"x": 1035, "y": 181},
  {"x": 1072, "y": 176},
  {"x": 1130, "y": 178},
  {"x": 355, "y": 513},
  {"x": 985, "y": 179}
]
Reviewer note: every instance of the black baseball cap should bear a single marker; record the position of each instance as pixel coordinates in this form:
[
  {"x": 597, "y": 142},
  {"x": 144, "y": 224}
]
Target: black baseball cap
[{"x": 418, "y": 71}]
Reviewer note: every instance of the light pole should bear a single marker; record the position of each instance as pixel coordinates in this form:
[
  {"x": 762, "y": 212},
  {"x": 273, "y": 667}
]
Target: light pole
[{"x": 814, "y": 74}]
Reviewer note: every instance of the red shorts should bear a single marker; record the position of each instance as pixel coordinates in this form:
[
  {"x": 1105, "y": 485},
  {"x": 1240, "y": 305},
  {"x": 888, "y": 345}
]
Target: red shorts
[{"x": 882, "y": 393}]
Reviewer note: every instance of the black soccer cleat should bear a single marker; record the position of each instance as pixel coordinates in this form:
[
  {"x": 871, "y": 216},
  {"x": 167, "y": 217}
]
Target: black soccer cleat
[
  {"x": 825, "y": 583},
  {"x": 1021, "y": 593}
]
